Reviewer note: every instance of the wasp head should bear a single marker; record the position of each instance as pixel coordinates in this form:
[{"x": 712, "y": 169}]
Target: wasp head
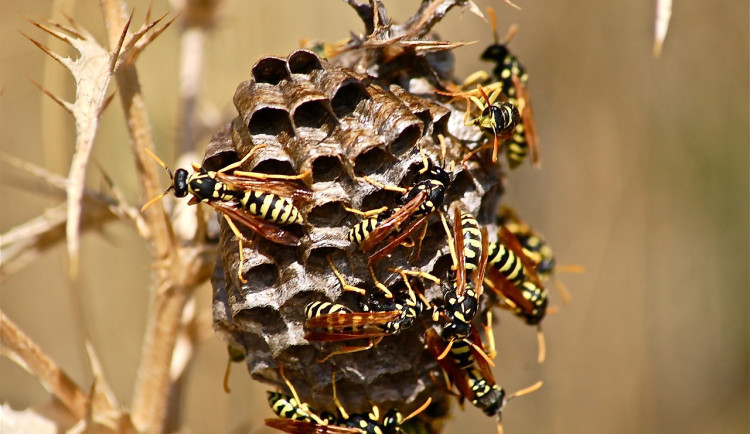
[
  {"x": 456, "y": 331},
  {"x": 495, "y": 53},
  {"x": 180, "y": 183}
]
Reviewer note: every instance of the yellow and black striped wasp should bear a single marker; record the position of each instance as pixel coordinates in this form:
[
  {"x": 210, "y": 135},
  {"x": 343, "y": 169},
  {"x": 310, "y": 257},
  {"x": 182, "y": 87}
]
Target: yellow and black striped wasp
[
  {"x": 379, "y": 319},
  {"x": 512, "y": 276},
  {"x": 469, "y": 248},
  {"x": 259, "y": 201},
  {"x": 514, "y": 78},
  {"x": 468, "y": 368},
  {"x": 497, "y": 119},
  {"x": 536, "y": 248},
  {"x": 299, "y": 418},
  {"x": 416, "y": 205}
]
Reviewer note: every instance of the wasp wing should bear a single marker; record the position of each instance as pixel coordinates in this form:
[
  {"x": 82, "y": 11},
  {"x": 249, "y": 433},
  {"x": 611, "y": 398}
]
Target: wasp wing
[
  {"x": 296, "y": 191},
  {"x": 302, "y": 427},
  {"x": 529, "y": 122},
  {"x": 511, "y": 241},
  {"x": 478, "y": 278},
  {"x": 397, "y": 240},
  {"x": 351, "y": 320},
  {"x": 267, "y": 230},
  {"x": 435, "y": 345},
  {"x": 393, "y": 222}
]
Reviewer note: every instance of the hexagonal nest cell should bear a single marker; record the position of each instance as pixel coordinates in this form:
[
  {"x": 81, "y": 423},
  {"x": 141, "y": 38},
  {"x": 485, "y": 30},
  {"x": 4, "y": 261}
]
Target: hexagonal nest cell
[{"x": 348, "y": 133}]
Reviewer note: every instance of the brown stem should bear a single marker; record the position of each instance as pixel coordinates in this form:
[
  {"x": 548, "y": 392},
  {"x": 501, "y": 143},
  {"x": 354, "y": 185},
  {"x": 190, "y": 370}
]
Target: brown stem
[
  {"x": 168, "y": 300},
  {"x": 28, "y": 355}
]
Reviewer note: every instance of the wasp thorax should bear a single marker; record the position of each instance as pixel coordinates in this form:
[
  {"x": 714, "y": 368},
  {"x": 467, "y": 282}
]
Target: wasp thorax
[{"x": 204, "y": 186}]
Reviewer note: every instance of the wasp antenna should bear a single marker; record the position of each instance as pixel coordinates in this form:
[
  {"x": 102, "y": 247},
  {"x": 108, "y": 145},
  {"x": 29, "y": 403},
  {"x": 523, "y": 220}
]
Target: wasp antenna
[
  {"x": 533, "y": 388},
  {"x": 421, "y": 408},
  {"x": 484, "y": 95},
  {"x": 425, "y": 161},
  {"x": 161, "y": 163},
  {"x": 542, "y": 356},
  {"x": 512, "y": 30},
  {"x": 446, "y": 350},
  {"x": 157, "y": 198},
  {"x": 493, "y": 20}
]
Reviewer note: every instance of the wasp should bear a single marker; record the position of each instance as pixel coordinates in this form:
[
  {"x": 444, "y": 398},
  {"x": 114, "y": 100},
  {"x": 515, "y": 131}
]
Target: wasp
[
  {"x": 415, "y": 206},
  {"x": 514, "y": 78},
  {"x": 469, "y": 370},
  {"x": 497, "y": 119},
  {"x": 299, "y": 418},
  {"x": 536, "y": 248},
  {"x": 513, "y": 277},
  {"x": 462, "y": 298},
  {"x": 380, "y": 319},
  {"x": 259, "y": 201}
]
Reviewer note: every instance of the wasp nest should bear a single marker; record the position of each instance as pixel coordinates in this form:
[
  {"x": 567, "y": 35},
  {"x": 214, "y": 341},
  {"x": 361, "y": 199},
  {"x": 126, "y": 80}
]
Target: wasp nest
[{"x": 340, "y": 126}]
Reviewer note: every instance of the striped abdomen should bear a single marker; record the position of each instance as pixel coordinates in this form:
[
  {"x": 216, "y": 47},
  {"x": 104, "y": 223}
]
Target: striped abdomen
[
  {"x": 517, "y": 148},
  {"x": 287, "y": 407},
  {"x": 538, "y": 298},
  {"x": 361, "y": 231},
  {"x": 271, "y": 207},
  {"x": 472, "y": 242},
  {"x": 507, "y": 263}
]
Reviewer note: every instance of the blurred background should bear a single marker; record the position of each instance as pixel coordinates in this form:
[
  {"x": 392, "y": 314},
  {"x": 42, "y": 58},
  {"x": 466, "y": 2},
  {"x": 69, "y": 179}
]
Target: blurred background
[{"x": 644, "y": 182}]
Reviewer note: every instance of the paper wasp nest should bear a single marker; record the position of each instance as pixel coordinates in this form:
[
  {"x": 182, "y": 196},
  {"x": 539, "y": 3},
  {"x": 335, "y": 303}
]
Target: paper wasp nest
[{"x": 339, "y": 125}]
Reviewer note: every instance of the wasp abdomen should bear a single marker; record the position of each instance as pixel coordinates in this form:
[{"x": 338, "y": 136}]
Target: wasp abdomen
[
  {"x": 472, "y": 241},
  {"x": 507, "y": 263},
  {"x": 538, "y": 298},
  {"x": 271, "y": 207},
  {"x": 361, "y": 231}
]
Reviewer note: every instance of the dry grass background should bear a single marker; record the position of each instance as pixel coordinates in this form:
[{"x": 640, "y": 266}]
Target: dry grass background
[{"x": 644, "y": 182}]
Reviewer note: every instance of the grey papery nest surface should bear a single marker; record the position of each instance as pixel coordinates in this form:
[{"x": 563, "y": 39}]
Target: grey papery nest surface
[{"x": 324, "y": 117}]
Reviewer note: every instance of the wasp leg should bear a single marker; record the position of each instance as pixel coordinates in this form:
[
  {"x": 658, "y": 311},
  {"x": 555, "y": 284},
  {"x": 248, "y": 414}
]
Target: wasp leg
[
  {"x": 240, "y": 237},
  {"x": 475, "y": 78},
  {"x": 350, "y": 349},
  {"x": 345, "y": 285},
  {"x": 369, "y": 213},
  {"x": 384, "y": 186},
  {"x": 415, "y": 273},
  {"x": 379, "y": 285}
]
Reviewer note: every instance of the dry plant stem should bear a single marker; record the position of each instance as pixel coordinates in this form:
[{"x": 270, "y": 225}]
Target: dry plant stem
[
  {"x": 191, "y": 67},
  {"x": 168, "y": 300},
  {"x": 24, "y": 351},
  {"x": 661, "y": 24}
]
